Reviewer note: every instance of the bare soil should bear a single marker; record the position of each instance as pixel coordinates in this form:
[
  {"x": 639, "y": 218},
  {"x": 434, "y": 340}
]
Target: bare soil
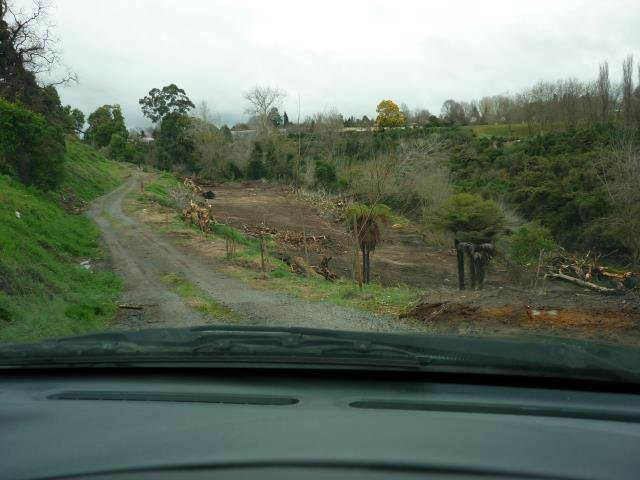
[
  {"x": 402, "y": 259},
  {"x": 507, "y": 305}
]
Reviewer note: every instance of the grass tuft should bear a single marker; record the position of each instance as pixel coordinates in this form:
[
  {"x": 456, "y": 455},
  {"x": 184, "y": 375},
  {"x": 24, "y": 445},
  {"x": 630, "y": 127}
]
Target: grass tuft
[{"x": 197, "y": 298}]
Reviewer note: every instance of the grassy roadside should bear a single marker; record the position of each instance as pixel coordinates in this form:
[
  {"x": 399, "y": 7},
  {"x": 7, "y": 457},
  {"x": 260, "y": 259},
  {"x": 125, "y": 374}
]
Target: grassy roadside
[
  {"x": 197, "y": 298},
  {"x": 44, "y": 291},
  {"x": 156, "y": 207}
]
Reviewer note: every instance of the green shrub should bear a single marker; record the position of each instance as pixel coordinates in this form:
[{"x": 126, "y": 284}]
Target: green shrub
[
  {"x": 325, "y": 175},
  {"x": 256, "y": 170},
  {"x": 30, "y": 148},
  {"x": 471, "y": 218},
  {"x": 527, "y": 242}
]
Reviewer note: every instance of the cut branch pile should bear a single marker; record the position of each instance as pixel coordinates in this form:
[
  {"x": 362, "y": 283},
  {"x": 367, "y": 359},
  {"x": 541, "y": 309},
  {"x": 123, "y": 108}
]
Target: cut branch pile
[
  {"x": 289, "y": 237},
  {"x": 192, "y": 186},
  {"x": 323, "y": 269},
  {"x": 259, "y": 230},
  {"x": 585, "y": 272},
  {"x": 298, "y": 239},
  {"x": 199, "y": 215},
  {"x": 300, "y": 266}
]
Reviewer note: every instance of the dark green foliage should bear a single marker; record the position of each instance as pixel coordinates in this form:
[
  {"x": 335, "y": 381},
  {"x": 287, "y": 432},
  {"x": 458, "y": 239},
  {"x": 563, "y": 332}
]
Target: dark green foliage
[
  {"x": 471, "y": 219},
  {"x": 171, "y": 100},
  {"x": 267, "y": 160},
  {"x": 256, "y": 169},
  {"x": 105, "y": 122},
  {"x": 551, "y": 179},
  {"x": 527, "y": 242},
  {"x": 30, "y": 147},
  {"x": 231, "y": 172},
  {"x": 175, "y": 143},
  {"x": 74, "y": 120},
  {"x": 325, "y": 175},
  {"x": 274, "y": 117}
]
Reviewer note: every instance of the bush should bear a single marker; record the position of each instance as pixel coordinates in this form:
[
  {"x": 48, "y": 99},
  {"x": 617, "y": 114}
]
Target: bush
[
  {"x": 30, "y": 148},
  {"x": 471, "y": 218},
  {"x": 231, "y": 172},
  {"x": 256, "y": 170},
  {"x": 527, "y": 242},
  {"x": 325, "y": 175}
]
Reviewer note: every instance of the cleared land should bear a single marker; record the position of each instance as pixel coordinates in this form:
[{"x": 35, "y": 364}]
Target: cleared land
[
  {"x": 508, "y": 305},
  {"x": 174, "y": 284}
]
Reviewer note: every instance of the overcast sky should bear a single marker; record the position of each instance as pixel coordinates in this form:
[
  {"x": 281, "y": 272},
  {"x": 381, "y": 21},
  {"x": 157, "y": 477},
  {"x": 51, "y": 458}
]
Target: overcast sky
[{"x": 342, "y": 54}]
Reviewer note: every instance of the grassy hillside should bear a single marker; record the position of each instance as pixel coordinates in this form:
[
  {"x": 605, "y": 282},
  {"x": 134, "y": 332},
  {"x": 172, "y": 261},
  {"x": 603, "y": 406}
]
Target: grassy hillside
[{"x": 44, "y": 291}]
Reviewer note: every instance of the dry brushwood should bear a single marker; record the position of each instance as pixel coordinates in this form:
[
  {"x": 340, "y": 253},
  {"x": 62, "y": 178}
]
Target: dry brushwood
[
  {"x": 323, "y": 269},
  {"x": 258, "y": 230},
  {"x": 584, "y": 271},
  {"x": 299, "y": 266},
  {"x": 202, "y": 216},
  {"x": 192, "y": 186}
]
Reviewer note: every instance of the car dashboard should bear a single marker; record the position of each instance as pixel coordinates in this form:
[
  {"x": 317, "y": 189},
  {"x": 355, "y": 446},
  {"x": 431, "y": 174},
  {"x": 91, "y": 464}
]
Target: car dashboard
[{"x": 114, "y": 424}]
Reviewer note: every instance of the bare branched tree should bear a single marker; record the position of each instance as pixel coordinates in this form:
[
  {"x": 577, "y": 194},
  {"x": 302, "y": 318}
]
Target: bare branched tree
[
  {"x": 261, "y": 101},
  {"x": 37, "y": 49},
  {"x": 604, "y": 91},
  {"x": 327, "y": 128},
  {"x": 627, "y": 89},
  {"x": 620, "y": 174}
]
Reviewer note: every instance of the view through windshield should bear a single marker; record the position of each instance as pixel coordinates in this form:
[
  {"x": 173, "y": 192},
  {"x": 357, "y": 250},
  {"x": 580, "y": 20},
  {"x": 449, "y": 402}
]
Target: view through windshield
[{"x": 468, "y": 169}]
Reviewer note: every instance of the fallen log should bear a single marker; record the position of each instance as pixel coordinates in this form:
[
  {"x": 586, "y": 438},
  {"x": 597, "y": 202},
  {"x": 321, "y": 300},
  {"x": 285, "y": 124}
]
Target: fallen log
[
  {"x": 130, "y": 306},
  {"x": 585, "y": 284}
]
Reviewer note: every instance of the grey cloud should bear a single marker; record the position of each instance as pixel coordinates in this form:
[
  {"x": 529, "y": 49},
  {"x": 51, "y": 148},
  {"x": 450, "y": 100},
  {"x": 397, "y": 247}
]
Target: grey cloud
[{"x": 344, "y": 54}]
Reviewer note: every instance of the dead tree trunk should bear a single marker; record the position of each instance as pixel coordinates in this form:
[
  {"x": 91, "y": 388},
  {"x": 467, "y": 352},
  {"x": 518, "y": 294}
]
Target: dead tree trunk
[
  {"x": 582, "y": 283},
  {"x": 366, "y": 264},
  {"x": 478, "y": 256},
  {"x": 472, "y": 266},
  {"x": 460, "y": 255}
]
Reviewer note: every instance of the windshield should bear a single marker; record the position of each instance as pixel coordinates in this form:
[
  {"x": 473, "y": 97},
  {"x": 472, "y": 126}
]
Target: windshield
[{"x": 226, "y": 175}]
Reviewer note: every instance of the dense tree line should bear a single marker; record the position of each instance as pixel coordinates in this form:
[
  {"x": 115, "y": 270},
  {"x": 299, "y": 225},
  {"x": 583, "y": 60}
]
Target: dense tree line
[{"x": 563, "y": 103}]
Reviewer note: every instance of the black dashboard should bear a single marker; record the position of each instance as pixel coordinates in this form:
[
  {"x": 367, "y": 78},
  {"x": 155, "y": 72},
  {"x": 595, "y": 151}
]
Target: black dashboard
[{"x": 261, "y": 424}]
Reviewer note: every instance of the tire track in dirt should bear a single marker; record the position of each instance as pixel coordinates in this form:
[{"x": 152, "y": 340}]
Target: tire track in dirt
[{"x": 141, "y": 257}]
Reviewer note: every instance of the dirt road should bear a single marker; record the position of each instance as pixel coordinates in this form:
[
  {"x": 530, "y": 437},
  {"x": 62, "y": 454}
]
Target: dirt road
[{"x": 142, "y": 257}]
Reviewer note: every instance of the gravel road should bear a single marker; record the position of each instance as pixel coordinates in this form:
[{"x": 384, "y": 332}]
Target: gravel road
[{"x": 141, "y": 257}]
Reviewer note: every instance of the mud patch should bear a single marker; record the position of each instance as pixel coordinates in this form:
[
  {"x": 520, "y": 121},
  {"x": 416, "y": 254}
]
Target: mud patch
[{"x": 442, "y": 311}]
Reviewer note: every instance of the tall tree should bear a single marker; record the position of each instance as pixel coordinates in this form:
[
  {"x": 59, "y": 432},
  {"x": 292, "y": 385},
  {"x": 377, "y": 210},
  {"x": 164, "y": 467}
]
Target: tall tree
[
  {"x": 452, "y": 113},
  {"x": 604, "y": 91},
  {"x": 627, "y": 90},
  {"x": 261, "y": 102},
  {"x": 171, "y": 99},
  {"x": 175, "y": 141},
  {"x": 75, "y": 120},
  {"x": 106, "y": 121},
  {"x": 389, "y": 115},
  {"x": 364, "y": 222}
]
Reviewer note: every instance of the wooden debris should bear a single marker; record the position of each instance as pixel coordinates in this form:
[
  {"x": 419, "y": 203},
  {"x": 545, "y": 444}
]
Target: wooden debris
[
  {"x": 300, "y": 267},
  {"x": 585, "y": 284},
  {"x": 584, "y": 271},
  {"x": 296, "y": 239},
  {"x": 323, "y": 269}
]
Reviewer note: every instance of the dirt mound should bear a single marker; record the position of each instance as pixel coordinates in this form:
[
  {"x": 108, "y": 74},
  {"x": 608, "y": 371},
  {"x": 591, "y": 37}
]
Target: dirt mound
[
  {"x": 451, "y": 316},
  {"x": 445, "y": 311}
]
